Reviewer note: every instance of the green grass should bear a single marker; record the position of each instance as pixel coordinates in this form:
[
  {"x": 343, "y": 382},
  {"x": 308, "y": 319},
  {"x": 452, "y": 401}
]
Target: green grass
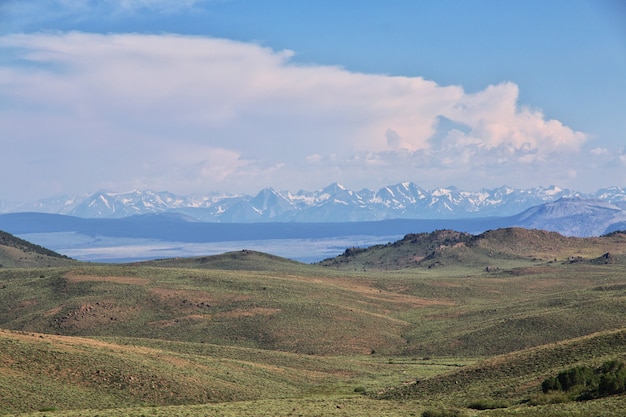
[
  {"x": 494, "y": 248},
  {"x": 438, "y": 313},
  {"x": 357, "y": 406},
  {"x": 515, "y": 377},
  {"x": 44, "y": 371},
  {"x": 247, "y": 333}
]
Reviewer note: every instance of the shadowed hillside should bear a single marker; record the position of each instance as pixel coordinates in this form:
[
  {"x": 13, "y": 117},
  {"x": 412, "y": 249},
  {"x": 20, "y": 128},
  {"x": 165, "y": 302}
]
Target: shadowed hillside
[
  {"x": 16, "y": 252},
  {"x": 450, "y": 248}
]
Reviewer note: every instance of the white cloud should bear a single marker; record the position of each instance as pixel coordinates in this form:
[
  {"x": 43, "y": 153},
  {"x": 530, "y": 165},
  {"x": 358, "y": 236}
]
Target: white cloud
[
  {"x": 496, "y": 119},
  {"x": 600, "y": 152},
  {"x": 225, "y": 114}
]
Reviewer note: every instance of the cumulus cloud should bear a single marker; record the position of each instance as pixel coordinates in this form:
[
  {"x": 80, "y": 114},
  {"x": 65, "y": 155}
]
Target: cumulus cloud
[{"x": 233, "y": 113}]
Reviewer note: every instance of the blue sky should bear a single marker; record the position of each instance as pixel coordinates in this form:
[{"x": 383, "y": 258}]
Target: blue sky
[{"x": 198, "y": 96}]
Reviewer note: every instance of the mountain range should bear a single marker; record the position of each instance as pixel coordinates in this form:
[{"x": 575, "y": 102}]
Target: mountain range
[
  {"x": 567, "y": 216},
  {"x": 334, "y": 203}
]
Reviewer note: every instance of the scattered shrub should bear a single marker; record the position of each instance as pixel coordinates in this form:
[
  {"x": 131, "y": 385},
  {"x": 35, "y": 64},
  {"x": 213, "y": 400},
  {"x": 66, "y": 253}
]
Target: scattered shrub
[
  {"x": 360, "y": 390},
  {"x": 552, "y": 397},
  {"x": 444, "y": 412},
  {"x": 487, "y": 404}
]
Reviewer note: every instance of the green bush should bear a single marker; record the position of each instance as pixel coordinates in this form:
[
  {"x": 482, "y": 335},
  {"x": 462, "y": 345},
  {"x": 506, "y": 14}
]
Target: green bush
[
  {"x": 360, "y": 390},
  {"x": 487, "y": 404},
  {"x": 585, "y": 383},
  {"x": 612, "y": 379},
  {"x": 578, "y": 377}
]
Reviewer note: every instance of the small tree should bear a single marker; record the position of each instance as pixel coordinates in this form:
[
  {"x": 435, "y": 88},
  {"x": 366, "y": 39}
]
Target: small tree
[{"x": 585, "y": 383}]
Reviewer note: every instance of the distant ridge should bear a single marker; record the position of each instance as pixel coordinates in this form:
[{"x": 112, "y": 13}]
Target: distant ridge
[
  {"x": 16, "y": 252},
  {"x": 91, "y": 239},
  {"x": 334, "y": 203},
  {"x": 574, "y": 217},
  {"x": 451, "y": 248},
  {"x": 568, "y": 216},
  {"x": 8, "y": 240}
]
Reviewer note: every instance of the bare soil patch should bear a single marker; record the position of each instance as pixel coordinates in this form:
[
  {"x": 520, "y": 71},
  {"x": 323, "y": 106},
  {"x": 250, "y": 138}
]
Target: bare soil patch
[
  {"x": 196, "y": 298},
  {"x": 91, "y": 315}
]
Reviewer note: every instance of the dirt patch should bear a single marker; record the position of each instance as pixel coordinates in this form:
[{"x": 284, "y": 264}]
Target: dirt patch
[
  {"x": 91, "y": 315},
  {"x": 195, "y": 298},
  {"x": 73, "y": 277},
  {"x": 26, "y": 303}
]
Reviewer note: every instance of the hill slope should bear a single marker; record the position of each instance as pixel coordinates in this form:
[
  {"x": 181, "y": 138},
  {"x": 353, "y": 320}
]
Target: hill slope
[
  {"x": 448, "y": 247},
  {"x": 16, "y": 252},
  {"x": 458, "y": 308},
  {"x": 516, "y": 377},
  {"x": 243, "y": 260},
  {"x": 248, "y": 325},
  {"x": 71, "y": 372}
]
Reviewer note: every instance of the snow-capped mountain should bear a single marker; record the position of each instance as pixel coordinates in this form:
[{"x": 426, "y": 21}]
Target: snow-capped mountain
[
  {"x": 334, "y": 203},
  {"x": 573, "y": 217}
]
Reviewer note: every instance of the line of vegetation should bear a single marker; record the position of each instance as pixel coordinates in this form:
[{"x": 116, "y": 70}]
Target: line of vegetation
[{"x": 586, "y": 383}]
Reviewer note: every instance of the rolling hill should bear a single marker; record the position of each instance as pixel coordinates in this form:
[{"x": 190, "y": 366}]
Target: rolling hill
[
  {"x": 471, "y": 317},
  {"x": 16, "y": 252},
  {"x": 488, "y": 249}
]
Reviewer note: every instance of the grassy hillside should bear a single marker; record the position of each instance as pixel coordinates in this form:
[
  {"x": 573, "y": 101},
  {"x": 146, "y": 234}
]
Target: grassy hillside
[
  {"x": 447, "y": 311},
  {"x": 473, "y": 318},
  {"x": 131, "y": 379},
  {"x": 490, "y": 249},
  {"x": 302, "y": 313},
  {"x": 244, "y": 260},
  {"x": 41, "y": 371},
  {"x": 515, "y": 377},
  {"x": 16, "y": 252}
]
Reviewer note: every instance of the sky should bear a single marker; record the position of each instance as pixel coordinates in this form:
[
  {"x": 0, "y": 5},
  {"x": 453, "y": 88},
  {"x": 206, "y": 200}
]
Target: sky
[{"x": 194, "y": 96}]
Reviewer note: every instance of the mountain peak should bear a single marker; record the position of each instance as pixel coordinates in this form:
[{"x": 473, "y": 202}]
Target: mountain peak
[{"x": 333, "y": 203}]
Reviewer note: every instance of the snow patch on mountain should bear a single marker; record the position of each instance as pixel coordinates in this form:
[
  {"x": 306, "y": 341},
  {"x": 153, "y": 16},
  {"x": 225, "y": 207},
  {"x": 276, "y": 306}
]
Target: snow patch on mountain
[{"x": 334, "y": 203}]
